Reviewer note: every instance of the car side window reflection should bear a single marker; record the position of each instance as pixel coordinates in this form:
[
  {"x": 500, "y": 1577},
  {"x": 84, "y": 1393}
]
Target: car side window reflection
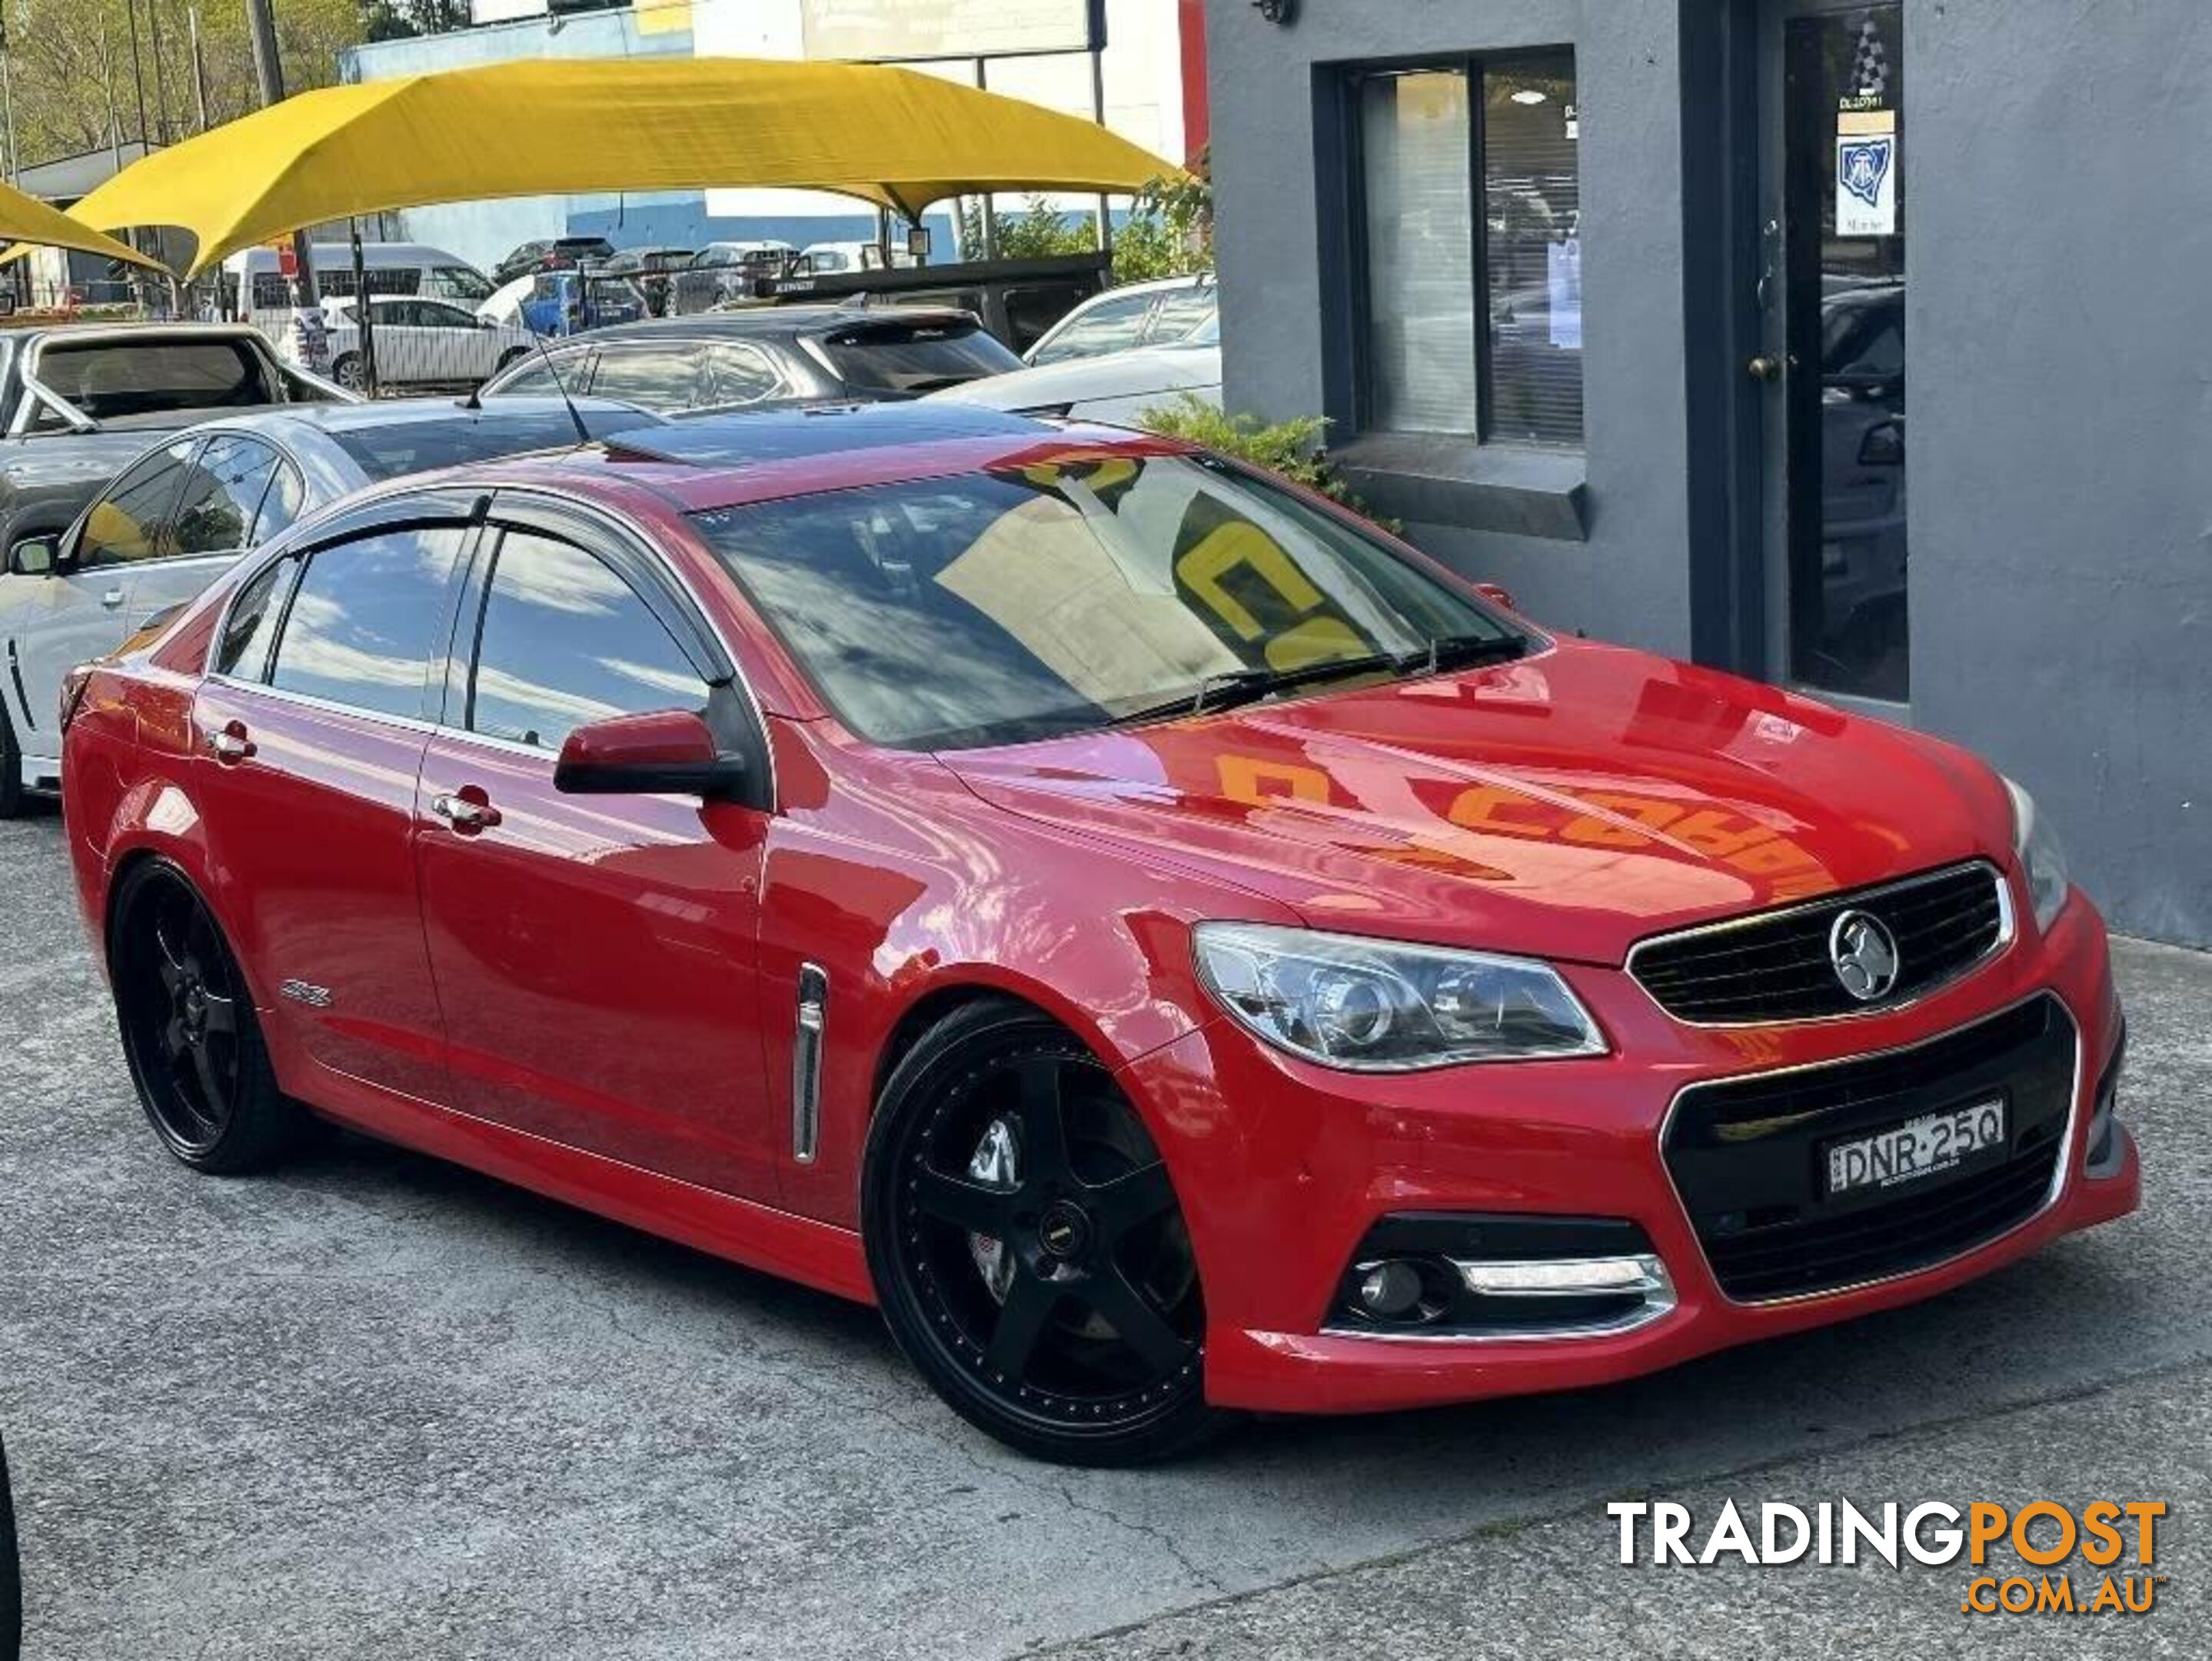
[
  {"x": 243, "y": 652},
  {"x": 222, "y": 496},
  {"x": 130, "y": 522},
  {"x": 360, "y": 628},
  {"x": 566, "y": 641}
]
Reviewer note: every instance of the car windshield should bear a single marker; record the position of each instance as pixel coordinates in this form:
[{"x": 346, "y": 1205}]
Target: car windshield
[
  {"x": 1078, "y": 591},
  {"x": 458, "y": 282},
  {"x": 895, "y": 357},
  {"x": 388, "y": 449}
]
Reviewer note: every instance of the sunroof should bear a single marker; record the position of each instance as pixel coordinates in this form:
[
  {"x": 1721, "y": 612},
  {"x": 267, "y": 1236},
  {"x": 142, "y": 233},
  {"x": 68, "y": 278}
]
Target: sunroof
[{"x": 791, "y": 434}]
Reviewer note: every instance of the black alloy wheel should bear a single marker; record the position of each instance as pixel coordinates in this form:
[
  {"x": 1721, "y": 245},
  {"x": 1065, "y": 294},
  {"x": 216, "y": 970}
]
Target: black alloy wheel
[
  {"x": 189, "y": 1030},
  {"x": 11, "y": 771},
  {"x": 1027, "y": 1247}
]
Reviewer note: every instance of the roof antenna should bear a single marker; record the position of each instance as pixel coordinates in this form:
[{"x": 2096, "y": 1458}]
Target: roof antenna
[{"x": 583, "y": 432}]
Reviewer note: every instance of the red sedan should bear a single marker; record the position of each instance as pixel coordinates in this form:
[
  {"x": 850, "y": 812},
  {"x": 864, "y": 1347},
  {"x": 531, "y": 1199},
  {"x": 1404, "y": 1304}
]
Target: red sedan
[{"x": 1173, "y": 948}]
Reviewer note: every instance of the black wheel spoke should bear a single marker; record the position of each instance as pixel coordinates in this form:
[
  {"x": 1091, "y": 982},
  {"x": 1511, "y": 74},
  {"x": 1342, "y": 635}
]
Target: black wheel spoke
[
  {"x": 221, "y": 1013},
  {"x": 1044, "y": 1122},
  {"x": 1022, "y": 1321},
  {"x": 215, "y": 1092},
  {"x": 1131, "y": 1199},
  {"x": 1132, "y": 1316},
  {"x": 173, "y": 1038},
  {"x": 971, "y": 1206},
  {"x": 172, "y": 965}
]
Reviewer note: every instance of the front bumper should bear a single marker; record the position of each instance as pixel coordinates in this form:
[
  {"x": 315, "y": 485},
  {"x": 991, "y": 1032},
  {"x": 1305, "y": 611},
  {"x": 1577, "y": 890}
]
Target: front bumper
[{"x": 1284, "y": 1167}]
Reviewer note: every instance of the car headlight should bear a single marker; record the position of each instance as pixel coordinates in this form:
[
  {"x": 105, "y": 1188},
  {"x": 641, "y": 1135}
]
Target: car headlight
[
  {"x": 2040, "y": 857},
  {"x": 1380, "y": 1007}
]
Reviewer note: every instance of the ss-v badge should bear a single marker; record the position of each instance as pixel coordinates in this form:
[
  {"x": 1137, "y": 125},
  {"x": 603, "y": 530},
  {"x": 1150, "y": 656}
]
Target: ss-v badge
[{"x": 306, "y": 992}]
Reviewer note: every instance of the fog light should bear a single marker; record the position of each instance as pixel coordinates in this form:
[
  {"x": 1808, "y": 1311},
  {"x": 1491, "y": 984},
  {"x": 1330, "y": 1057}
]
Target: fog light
[{"x": 1390, "y": 1291}]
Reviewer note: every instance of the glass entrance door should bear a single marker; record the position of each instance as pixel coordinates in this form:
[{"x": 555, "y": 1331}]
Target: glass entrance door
[{"x": 1831, "y": 357}]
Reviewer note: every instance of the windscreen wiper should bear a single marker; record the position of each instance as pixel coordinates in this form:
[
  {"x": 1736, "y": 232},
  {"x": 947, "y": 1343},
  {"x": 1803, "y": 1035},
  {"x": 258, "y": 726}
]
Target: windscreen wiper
[
  {"x": 1231, "y": 687},
  {"x": 1465, "y": 651}
]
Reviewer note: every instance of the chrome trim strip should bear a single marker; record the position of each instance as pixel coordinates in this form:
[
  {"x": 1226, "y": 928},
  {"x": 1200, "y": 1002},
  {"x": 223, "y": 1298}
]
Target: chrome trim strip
[
  {"x": 2061, "y": 1171},
  {"x": 1652, "y": 1281},
  {"x": 807, "y": 1062},
  {"x": 2008, "y": 931}
]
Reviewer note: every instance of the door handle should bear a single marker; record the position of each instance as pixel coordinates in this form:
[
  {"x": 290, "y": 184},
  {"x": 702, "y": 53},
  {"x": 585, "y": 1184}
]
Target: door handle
[
  {"x": 231, "y": 745},
  {"x": 465, "y": 814},
  {"x": 1763, "y": 368},
  {"x": 112, "y": 599}
]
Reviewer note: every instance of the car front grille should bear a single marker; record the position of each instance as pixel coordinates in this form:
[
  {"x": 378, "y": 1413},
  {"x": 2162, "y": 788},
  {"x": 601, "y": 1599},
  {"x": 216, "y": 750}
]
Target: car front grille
[
  {"x": 1747, "y": 1156},
  {"x": 1779, "y": 966}
]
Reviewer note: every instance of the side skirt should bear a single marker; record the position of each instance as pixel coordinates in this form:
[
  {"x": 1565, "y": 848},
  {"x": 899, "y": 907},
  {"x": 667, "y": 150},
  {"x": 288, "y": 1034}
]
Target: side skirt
[{"x": 814, "y": 1254}]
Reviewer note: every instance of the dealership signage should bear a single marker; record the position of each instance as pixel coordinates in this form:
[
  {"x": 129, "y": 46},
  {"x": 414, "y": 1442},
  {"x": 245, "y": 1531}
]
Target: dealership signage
[{"x": 912, "y": 30}]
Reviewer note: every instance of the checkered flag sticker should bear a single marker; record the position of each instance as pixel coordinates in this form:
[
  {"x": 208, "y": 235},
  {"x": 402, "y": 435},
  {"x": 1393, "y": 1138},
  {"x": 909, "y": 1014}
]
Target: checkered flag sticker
[{"x": 1870, "y": 74}]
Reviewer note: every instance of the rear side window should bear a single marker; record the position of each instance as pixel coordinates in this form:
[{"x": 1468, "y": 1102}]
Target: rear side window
[
  {"x": 360, "y": 628},
  {"x": 222, "y": 494},
  {"x": 910, "y": 358},
  {"x": 655, "y": 377},
  {"x": 566, "y": 641},
  {"x": 285, "y": 501},
  {"x": 243, "y": 652},
  {"x": 1108, "y": 326},
  {"x": 1182, "y": 311}
]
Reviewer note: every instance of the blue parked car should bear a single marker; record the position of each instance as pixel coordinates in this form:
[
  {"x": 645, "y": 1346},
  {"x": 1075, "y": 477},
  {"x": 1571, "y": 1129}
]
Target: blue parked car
[{"x": 565, "y": 302}]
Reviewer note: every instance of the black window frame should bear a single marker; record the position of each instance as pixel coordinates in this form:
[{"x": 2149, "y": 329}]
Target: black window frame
[{"x": 1349, "y": 192}]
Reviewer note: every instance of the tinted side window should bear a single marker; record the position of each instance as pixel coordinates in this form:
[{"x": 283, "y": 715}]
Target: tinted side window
[
  {"x": 129, "y": 522},
  {"x": 360, "y": 627},
  {"x": 285, "y": 501},
  {"x": 222, "y": 496},
  {"x": 738, "y": 375},
  {"x": 1109, "y": 327},
  {"x": 651, "y": 377},
  {"x": 567, "y": 641},
  {"x": 244, "y": 649}
]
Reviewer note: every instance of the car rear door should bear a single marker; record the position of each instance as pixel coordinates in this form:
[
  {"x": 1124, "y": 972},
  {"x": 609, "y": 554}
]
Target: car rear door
[
  {"x": 312, "y": 724},
  {"x": 593, "y": 955},
  {"x": 86, "y": 609}
]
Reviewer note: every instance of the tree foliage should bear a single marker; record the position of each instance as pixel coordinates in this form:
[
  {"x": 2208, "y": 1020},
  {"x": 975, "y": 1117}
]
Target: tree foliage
[
  {"x": 79, "y": 83},
  {"x": 1292, "y": 448}
]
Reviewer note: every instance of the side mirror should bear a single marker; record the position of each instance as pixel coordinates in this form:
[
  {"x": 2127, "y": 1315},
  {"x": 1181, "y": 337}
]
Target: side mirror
[
  {"x": 1496, "y": 595},
  {"x": 35, "y": 556},
  {"x": 669, "y": 752}
]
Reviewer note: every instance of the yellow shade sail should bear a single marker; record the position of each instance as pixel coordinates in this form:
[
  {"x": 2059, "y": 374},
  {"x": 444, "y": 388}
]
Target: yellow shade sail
[
  {"x": 896, "y": 137},
  {"x": 26, "y": 219}
]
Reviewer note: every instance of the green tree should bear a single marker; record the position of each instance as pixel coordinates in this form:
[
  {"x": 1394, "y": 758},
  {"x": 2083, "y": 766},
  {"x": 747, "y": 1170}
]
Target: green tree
[{"x": 78, "y": 87}]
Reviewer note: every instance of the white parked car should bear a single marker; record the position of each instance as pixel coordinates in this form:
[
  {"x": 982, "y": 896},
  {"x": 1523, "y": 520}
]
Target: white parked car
[
  {"x": 1115, "y": 387},
  {"x": 1166, "y": 312},
  {"x": 421, "y": 343},
  {"x": 178, "y": 516}
]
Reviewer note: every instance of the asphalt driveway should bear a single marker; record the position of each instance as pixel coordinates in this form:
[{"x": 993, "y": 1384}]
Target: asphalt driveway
[{"x": 378, "y": 1407}]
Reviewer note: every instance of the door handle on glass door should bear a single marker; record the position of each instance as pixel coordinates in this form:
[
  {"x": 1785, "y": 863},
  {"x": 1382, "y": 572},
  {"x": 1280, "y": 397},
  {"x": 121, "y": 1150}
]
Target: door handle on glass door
[
  {"x": 461, "y": 810},
  {"x": 1763, "y": 368}
]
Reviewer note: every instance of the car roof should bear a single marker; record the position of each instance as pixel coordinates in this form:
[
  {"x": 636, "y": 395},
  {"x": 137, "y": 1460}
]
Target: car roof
[
  {"x": 752, "y": 321},
  {"x": 706, "y": 462}
]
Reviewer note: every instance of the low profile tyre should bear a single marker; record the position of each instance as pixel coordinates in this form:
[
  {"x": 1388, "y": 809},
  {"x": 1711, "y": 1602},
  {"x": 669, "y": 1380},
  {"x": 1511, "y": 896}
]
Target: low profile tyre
[
  {"x": 350, "y": 373},
  {"x": 11, "y": 771},
  {"x": 189, "y": 1033},
  {"x": 1027, "y": 1247}
]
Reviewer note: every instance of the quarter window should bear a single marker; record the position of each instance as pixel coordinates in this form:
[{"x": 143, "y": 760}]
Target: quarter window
[
  {"x": 1108, "y": 326},
  {"x": 738, "y": 375},
  {"x": 1470, "y": 219},
  {"x": 131, "y": 522},
  {"x": 363, "y": 622},
  {"x": 566, "y": 641},
  {"x": 651, "y": 377}
]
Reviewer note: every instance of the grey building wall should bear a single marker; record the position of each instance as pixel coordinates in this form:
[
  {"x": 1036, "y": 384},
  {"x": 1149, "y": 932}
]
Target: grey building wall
[
  {"x": 2060, "y": 257},
  {"x": 2059, "y": 317}
]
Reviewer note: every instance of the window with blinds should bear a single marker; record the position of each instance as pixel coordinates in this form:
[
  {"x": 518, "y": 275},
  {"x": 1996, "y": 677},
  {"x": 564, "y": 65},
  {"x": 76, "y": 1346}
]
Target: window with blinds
[{"x": 1470, "y": 208}]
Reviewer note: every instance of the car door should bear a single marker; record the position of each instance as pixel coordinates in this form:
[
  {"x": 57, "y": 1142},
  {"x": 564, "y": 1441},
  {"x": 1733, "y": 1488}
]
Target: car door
[
  {"x": 593, "y": 955},
  {"x": 403, "y": 355},
  {"x": 85, "y": 609},
  {"x": 316, "y": 711},
  {"x": 458, "y": 348},
  {"x": 216, "y": 519}
]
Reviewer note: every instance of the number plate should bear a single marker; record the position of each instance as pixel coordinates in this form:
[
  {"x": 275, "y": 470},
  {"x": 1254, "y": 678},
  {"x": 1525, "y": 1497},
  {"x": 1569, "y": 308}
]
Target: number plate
[{"x": 1918, "y": 1148}]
